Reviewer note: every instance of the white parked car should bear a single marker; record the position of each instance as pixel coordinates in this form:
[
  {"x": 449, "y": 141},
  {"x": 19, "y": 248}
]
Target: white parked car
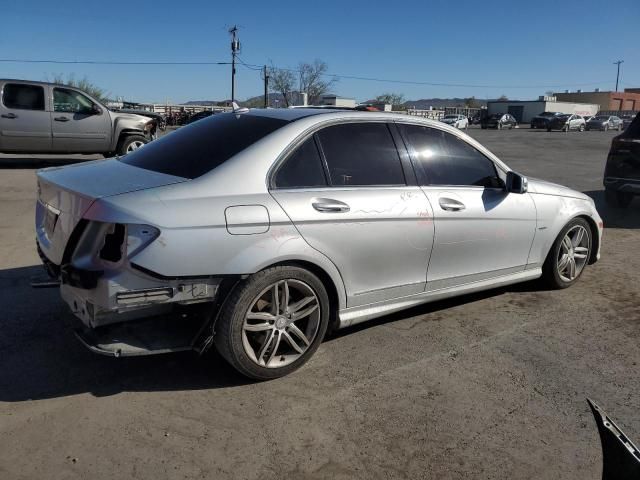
[{"x": 457, "y": 121}]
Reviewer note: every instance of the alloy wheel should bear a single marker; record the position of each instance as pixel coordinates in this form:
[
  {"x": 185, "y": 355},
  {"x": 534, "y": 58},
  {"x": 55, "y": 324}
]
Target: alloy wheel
[
  {"x": 573, "y": 253},
  {"x": 281, "y": 323},
  {"x": 134, "y": 146}
]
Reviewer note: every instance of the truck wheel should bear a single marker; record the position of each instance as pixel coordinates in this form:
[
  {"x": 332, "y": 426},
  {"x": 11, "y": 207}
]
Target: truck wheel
[
  {"x": 131, "y": 143},
  {"x": 273, "y": 322}
]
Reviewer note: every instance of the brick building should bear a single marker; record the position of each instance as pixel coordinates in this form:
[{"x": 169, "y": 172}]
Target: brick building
[{"x": 608, "y": 101}]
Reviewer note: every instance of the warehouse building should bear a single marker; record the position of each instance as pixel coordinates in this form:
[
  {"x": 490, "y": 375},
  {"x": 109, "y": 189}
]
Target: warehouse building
[
  {"x": 524, "y": 110},
  {"x": 629, "y": 100}
]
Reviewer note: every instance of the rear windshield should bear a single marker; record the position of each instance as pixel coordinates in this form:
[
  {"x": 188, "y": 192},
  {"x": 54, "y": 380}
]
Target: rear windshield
[{"x": 200, "y": 147}]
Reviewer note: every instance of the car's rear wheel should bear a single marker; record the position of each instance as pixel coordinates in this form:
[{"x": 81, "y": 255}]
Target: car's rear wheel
[
  {"x": 273, "y": 322},
  {"x": 569, "y": 255},
  {"x": 617, "y": 199},
  {"x": 605, "y": 128},
  {"x": 131, "y": 143},
  {"x": 581, "y": 128},
  {"x": 499, "y": 126}
]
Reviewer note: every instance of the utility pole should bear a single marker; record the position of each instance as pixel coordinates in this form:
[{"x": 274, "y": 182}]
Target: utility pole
[
  {"x": 266, "y": 87},
  {"x": 235, "y": 48},
  {"x": 618, "y": 75}
]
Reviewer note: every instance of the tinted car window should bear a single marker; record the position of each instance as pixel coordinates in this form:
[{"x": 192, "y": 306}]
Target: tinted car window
[
  {"x": 361, "y": 154},
  {"x": 444, "y": 159},
  {"x": 200, "y": 147},
  {"x": 303, "y": 168},
  {"x": 70, "y": 101},
  {"x": 25, "y": 97}
]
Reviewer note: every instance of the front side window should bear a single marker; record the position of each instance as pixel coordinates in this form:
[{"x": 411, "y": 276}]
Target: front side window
[
  {"x": 361, "y": 154},
  {"x": 204, "y": 145},
  {"x": 70, "y": 101},
  {"x": 444, "y": 159},
  {"x": 23, "y": 97},
  {"x": 303, "y": 168}
]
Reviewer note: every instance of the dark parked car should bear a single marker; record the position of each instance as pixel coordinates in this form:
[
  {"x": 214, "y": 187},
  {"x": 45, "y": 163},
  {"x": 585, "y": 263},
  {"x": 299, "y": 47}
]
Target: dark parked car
[
  {"x": 199, "y": 116},
  {"x": 566, "y": 122},
  {"x": 604, "y": 122},
  {"x": 626, "y": 120},
  {"x": 499, "y": 121},
  {"x": 542, "y": 120},
  {"x": 622, "y": 173}
]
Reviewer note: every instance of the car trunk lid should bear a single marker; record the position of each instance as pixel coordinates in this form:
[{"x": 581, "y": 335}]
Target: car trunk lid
[{"x": 65, "y": 194}]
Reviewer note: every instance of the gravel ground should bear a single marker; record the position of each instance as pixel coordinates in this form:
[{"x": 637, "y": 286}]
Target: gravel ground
[{"x": 491, "y": 385}]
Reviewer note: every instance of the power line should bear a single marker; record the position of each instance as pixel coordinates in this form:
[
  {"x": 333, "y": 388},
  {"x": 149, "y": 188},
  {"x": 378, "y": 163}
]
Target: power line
[{"x": 334, "y": 75}]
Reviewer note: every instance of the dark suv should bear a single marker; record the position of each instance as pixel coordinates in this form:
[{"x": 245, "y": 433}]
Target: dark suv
[{"x": 622, "y": 173}]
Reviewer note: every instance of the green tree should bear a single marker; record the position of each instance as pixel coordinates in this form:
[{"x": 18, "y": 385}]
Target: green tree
[
  {"x": 83, "y": 84},
  {"x": 396, "y": 100}
]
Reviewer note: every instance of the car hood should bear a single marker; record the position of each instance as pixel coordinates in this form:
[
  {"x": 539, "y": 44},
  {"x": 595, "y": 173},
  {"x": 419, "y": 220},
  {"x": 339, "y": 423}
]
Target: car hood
[
  {"x": 134, "y": 117},
  {"x": 543, "y": 187}
]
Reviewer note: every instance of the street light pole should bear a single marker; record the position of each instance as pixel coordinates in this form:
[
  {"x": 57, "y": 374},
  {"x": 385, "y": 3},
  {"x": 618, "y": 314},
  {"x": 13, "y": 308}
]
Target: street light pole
[
  {"x": 266, "y": 87},
  {"x": 235, "y": 48},
  {"x": 618, "y": 75}
]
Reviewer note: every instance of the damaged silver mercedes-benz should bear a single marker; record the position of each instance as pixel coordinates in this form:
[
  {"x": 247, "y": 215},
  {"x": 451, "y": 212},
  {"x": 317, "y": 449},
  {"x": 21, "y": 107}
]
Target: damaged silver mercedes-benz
[{"x": 258, "y": 230}]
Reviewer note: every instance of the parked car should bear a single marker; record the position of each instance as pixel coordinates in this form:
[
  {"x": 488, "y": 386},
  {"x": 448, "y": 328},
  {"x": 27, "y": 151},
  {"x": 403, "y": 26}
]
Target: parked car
[
  {"x": 626, "y": 120},
  {"x": 588, "y": 118},
  {"x": 542, "y": 120},
  {"x": 499, "y": 121},
  {"x": 278, "y": 224},
  {"x": 199, "y": 116},
  {"x": 604, "y": 122},
  {"x": 622, "y": 172},
  {"x": 37, "y": 117},
  {"x": 457, "y": 121},
  {"x": 566, "y": 123}
]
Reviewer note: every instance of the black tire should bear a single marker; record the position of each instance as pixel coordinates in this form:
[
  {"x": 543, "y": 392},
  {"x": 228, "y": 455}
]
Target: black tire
[
  {"x": 229, "y": 327},
  {"x": 483, "y": 127},
  {"x": 533, "y": 126},
  {"x": 550, "y": 274},
  {"x": 125, "y": 143},
  {"x": 581, "y": 128},
  {"x": 499, "y": 126},
  {"x": 617, "y": 199},
  {"x": 548, "y": 129}
]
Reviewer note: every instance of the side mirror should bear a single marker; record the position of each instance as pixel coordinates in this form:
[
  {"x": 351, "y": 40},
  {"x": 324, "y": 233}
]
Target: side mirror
[
  {"x": 517, "y": 183},
  {"x": 96, "y": 110}
]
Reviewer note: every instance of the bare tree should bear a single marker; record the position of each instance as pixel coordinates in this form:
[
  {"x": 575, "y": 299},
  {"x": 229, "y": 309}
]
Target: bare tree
[
  {"x": 83, "y": 84},
  {"x": 471, "y": 102},
  {"x": 396, "y": 100},
  {"x": 503, "y": 98},
  {"x": 311, "y": 80},
  {"x": 282, "y": 81}
]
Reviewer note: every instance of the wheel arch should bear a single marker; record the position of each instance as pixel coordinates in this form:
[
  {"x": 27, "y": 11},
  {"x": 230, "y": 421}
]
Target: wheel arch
[{"x": 595, "y": 238}]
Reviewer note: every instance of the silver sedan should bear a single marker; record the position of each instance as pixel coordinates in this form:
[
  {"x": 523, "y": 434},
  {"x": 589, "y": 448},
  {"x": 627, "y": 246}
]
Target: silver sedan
[{"x": 258, "y": 231}]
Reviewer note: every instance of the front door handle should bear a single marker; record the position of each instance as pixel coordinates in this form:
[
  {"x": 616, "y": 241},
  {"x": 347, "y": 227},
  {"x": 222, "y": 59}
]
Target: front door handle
[
  {"x": 61, "y": 119},
  {"x": 9, "y": 115},
  {"x": 451, "y": 204},
  {"x": 329, "y": 205}
]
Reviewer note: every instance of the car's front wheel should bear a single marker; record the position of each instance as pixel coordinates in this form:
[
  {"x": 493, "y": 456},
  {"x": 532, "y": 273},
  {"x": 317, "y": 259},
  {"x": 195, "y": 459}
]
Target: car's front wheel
[
  {"x": 569, "y": 255},
  {"x": 273, "y": 322},
  {"x": 131, "y": 143}
]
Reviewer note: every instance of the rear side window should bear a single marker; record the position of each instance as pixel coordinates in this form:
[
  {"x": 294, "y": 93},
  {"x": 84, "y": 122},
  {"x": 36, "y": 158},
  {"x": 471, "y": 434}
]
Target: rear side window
[
  {"x": 204, "y": 145},
  {"x": 303, "y": 168},
  {"x": 361, "y": 154},
  {"x": 23, "y": 97},
  {"x": 444, "y": 159}
]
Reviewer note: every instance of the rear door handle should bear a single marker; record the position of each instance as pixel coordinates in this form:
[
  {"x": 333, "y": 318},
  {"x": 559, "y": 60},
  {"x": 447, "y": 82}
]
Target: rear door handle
[
  {"x": 329, "y": 205},
  {"x": 9, "y": 115},
  {"x": 61, "y": 119},
  {"x": 451, "y": 204}
]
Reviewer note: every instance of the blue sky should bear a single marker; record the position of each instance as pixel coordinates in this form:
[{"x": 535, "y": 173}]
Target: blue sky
[{"x": 571, "y": 44}]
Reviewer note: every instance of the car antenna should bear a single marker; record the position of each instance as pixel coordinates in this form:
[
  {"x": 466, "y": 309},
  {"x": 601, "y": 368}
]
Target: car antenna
[{"x": 237, "y": 108}]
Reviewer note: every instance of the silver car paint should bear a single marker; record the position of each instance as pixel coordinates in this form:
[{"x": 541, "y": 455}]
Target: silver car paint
[
  {"x": 380, "y": 257},
  {"x": 38, "y": 131}
]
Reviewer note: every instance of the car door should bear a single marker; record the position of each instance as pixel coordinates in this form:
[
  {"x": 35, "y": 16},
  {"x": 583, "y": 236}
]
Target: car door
[
  {"x": 481, "y": 230},
  {"x": 352, "y": 196},
  {"x": 78, "y": 123},
  {"x": 25, "y": 124}
]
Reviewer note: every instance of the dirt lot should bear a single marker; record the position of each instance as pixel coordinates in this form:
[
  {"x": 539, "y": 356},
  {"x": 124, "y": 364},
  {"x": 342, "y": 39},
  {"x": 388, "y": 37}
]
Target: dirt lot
[{"x": 486, "y": 386}]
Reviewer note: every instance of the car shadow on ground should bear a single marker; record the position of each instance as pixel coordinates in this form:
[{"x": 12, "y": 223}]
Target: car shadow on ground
[
  {"x": 41, "y": 358},
  {"x": 624, "y": 218}
]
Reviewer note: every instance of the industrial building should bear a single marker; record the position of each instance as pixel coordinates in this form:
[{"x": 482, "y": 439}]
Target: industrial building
[
  {"x": 524, "y": 110},
  {"x": 336, "y": 101},
  {"x": 628, "y": 101}
]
